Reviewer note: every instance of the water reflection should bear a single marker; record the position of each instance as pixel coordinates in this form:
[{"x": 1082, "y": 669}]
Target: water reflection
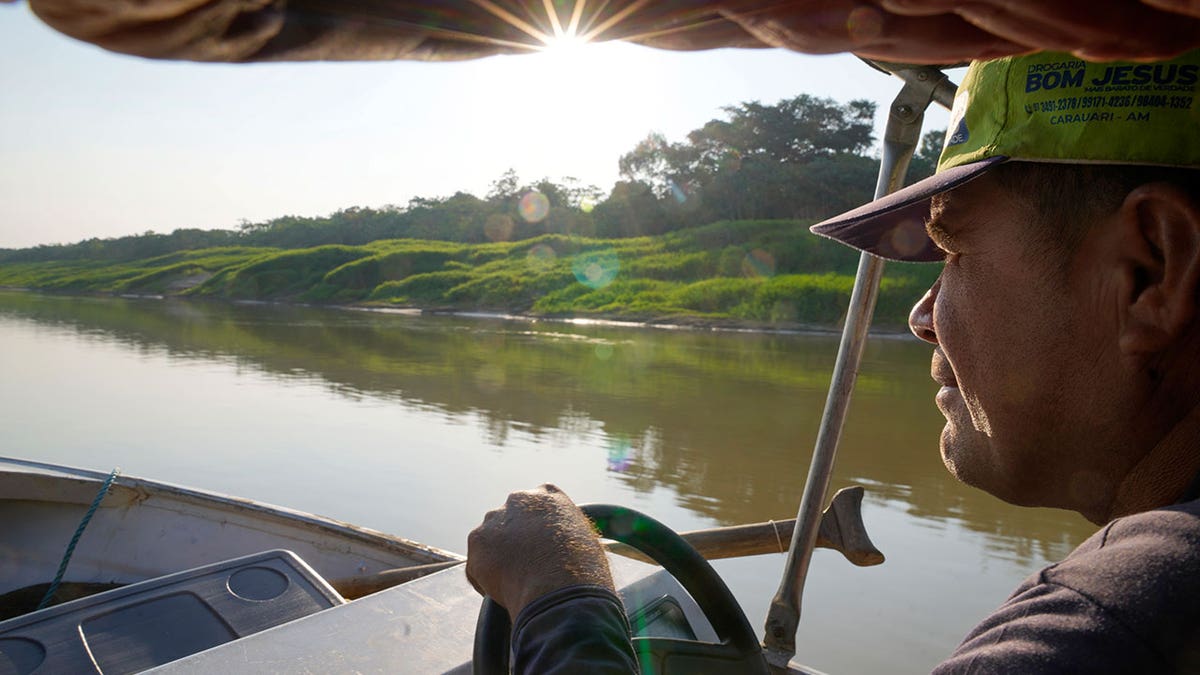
[
  {"x": 418, "y": 425},
  {"x": 724, "y": 421}
]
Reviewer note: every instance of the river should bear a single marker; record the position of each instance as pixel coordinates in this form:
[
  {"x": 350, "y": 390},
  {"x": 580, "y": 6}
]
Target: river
[{"x": 417, "y": 425}]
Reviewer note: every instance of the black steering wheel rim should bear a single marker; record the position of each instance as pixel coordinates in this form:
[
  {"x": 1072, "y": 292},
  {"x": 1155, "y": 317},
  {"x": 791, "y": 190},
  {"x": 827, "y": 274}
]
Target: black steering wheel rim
[{"x": 738, "y": 650}]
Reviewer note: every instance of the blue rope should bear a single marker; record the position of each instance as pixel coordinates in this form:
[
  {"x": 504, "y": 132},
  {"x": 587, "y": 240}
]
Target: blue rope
[{"x": 87, "y": 517}]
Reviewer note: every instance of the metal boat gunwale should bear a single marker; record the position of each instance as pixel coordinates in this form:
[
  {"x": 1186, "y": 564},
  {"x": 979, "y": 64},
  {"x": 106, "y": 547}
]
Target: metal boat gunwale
[{"x": 36, "y": 490}]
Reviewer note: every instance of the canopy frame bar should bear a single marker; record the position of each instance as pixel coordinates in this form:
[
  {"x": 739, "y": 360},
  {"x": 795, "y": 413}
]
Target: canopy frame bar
[{"x": 903, "y": 133}]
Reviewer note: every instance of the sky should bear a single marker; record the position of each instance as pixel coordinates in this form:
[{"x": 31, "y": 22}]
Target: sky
[{"x": 97, "y": 144}]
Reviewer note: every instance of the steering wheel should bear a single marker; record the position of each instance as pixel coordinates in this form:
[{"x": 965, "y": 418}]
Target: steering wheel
[{"x": 738, "y": 650}]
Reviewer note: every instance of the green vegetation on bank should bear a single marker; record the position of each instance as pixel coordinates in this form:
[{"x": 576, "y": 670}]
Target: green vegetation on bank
[
  {"x": 709, "y": 228},
  {"x": 769, "y": 271}
]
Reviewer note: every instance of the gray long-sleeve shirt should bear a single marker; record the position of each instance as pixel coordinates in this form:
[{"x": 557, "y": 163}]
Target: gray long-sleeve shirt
[{"x": 1126, "y": 601}]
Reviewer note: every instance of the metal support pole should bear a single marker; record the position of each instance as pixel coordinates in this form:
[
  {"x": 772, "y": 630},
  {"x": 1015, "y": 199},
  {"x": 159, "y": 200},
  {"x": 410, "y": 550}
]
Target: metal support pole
[{"x": 900, "y": 141}]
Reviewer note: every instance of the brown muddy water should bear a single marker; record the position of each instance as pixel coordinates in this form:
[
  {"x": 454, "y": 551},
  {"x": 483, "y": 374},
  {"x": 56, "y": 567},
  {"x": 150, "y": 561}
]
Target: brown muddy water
[{"x": 418, "y": 425}]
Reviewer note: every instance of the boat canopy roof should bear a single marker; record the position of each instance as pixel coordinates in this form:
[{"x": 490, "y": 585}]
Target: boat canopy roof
[
  {"x": 303, "y": 30},
  {"x": 934, "y": 32}
]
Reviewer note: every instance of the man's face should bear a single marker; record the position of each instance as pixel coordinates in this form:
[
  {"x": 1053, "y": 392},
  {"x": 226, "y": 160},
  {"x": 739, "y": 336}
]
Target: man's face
[{"x": 1017, "y": 367}]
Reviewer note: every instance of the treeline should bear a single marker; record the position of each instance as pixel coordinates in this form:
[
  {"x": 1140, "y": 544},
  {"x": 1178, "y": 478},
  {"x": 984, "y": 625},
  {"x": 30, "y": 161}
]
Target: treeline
[{"x": 803, "y": 157}]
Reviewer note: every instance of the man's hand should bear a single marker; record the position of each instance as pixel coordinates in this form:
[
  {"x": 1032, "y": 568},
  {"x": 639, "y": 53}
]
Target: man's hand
[
  {"x": 948, "y": 31},
  {"x": 538, "y": 542},
  {"x": 903, "y": 31}
]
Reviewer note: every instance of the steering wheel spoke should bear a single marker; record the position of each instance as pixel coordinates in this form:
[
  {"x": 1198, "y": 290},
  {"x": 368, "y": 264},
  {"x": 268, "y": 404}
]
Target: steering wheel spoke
[{"x": 738, "y": 650}]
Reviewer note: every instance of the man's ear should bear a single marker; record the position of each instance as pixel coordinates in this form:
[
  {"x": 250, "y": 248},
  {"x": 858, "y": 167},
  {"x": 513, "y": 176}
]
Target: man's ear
[{"x": 1159, "y": 227}]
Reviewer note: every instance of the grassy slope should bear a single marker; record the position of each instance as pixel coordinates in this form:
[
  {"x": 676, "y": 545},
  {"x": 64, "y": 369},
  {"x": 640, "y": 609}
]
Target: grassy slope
[{"x": 752, "y": 271}]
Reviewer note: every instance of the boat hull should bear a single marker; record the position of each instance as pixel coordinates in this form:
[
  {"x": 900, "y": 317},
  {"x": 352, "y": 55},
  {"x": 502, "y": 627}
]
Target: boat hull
[{"x": 144, "y": 529}]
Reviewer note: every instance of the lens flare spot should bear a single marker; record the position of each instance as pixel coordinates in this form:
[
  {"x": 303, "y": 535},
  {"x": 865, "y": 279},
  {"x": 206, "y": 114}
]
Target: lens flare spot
[
  {"x": 604, "y": 351},
  {"x": 758, "y": 263},
  {"x": 678, "y": 193},
  {"x": 498, "y": 227},
  {"x": 587, "y": 204},
  {"x": 908, "y": 238},
  {"x": 618, "y": 454},
  {"x": 534, "y": 207},
  {"x": 596, "y": 269},
  {"x": 541, "y": 257},
  {"x": 783, "y": 312}
]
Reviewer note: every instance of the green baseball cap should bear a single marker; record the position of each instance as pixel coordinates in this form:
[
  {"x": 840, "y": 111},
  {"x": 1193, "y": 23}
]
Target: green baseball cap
[{"x": 1045, "y": 107}]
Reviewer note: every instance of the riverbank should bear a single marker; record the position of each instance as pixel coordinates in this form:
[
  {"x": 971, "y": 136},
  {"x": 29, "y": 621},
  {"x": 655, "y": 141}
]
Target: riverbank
[
  {"x": 743, "y": 275},
  {"x": 671, "y": 322}
]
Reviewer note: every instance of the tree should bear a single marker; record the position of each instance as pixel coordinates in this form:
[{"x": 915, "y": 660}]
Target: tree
[
  {"x": 798, "y": 129},
  {"x": 505, "y": 188},
  {"x": 653, "y": 162},
  {"x": 924, "y": 161},
  {"x": 579, "y": 196},
  {"x": 631, "y": 210},
  {"x": 750, "y": 165}
]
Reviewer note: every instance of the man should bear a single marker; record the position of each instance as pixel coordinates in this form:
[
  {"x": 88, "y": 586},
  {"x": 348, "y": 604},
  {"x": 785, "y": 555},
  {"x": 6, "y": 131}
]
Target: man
[{"x": 1066, "y": 208}]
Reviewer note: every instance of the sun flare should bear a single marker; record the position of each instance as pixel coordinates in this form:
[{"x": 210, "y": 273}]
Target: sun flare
[{"x": 567, "y": 41}]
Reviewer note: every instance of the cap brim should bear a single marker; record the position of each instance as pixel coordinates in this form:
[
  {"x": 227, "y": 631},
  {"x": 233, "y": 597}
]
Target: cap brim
[{"x": 893, "y": 226}]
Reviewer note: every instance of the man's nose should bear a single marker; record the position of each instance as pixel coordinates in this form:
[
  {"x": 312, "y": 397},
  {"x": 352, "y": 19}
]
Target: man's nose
[{"x": 920, "y": 319}]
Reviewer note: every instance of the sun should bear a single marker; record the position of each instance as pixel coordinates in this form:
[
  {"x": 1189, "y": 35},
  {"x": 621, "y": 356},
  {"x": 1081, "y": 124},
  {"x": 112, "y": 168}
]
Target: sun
[
  {"x": 565, "y": 43},
  {"x": 571, "y": 61}
]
